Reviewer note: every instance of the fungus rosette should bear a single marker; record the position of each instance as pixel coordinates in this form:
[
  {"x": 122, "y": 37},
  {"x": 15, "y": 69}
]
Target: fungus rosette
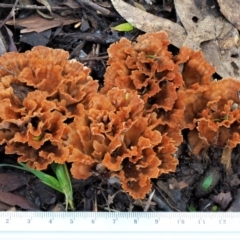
[
  {"x": 114, "y": 134},
  {"x": 218, "y": 123},
  {"x": 147, "y": 67},
  {"x": 39, "y": 91},
  {"x": 197, "y": 75}
]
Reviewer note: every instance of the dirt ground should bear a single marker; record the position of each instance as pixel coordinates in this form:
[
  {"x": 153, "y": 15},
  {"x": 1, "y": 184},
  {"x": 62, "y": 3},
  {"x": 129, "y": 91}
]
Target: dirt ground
[{"x": 84, "y": 28}]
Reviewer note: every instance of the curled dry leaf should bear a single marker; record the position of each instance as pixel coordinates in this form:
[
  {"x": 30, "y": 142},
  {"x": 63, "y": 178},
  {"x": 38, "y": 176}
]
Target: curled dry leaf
[
  {"x": 214, "y": 35},
  {"x": 150, "y": 23},
  {"x": 228, "y": 9},
  {"x": 35, "y": 23},
  {"x": 12, "y": 181},
  {"x": 15, "y": 200}
]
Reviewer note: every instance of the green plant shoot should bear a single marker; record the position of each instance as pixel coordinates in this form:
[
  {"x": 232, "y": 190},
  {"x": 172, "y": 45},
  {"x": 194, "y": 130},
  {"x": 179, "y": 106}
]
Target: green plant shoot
[
  {"x": 61, "y": 184},
  {"x": 63, "y": 177},
  {"x": 191, "y": 208},
  {"x": 207, "y": 182},
  {"x": 124, "y": 27}
]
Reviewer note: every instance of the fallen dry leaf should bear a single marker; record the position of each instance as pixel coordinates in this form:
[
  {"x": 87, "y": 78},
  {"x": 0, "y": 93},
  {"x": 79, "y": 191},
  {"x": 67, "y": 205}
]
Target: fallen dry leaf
[
  {"x": 223, "y": 199},
  {"x": 226, "y": 159},
  {"x": 4, "y": 207},
  {"x": 150, "y": 23},
  {"x": 182, "y": 184},
  {"x": 6, "y": 41},
  {"x": 35, "y": 23},
  {"x": 213, "y": 34},
  {"x": 12, "y": 181},
  {"x": 71, "y": 3},
  {"x": 235, "y": 205},
  {"x": 228, "y": 9},
  {"x": 15, "y": 200},
  {"x": 46, "y": 4}
]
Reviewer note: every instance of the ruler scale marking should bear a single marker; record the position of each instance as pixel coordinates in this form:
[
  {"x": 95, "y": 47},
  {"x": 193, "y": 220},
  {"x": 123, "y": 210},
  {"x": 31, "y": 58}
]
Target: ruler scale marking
[{"x": 101, "y": 223}]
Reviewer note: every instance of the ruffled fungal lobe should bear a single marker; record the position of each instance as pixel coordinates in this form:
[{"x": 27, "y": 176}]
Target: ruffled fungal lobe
[
  {"x": 218, "y": 123},
  {"x": 197, "y": 75},
  {"x": 40, "y": 90},
  {"x": 147, "y": 67},
  {"x": 114, "y": 133}
]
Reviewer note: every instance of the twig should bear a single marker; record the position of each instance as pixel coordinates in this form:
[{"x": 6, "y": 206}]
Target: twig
[
  {"x": 11, "y": 14},
  {"x": 96, "y": 7},
  {"x": 226, "y": 159},
  {"x": 23, "y": 6},
  {"x": 93, "y": 58},
  {"x": 149, "y": 201}
]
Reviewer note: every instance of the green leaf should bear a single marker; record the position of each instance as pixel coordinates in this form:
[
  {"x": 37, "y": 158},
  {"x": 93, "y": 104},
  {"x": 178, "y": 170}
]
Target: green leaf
[
  {"x": 63, "y": 177},
  {"x": 124, "y": 27},
  {"x": 214, "y": 208},
  {"x": 38, "y": 138},
  {"x": 45, "y": 178},
  {"x": 191, "y": 208},
  {"x": 207, "y": 182}
]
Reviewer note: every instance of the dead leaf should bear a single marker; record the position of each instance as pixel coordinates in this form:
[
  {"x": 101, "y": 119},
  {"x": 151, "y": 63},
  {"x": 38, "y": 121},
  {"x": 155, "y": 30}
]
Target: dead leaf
[
  {"x": 35, "y": 39},
  {"x": 4, "y": 207},
  {"x": 6, "y": 41},
  {"x": 150, "y": 23},
  {"x": 182, "y": 184},
  {"x": 223, "y": 199},
  {"x": 46, "y": 4},
  {"x": 230, "y": 12},
  {"x": 235, "y": 205},
  {"x": 15, "y": 200},
  {"x": 71, "y": 3},
  {"x": 140, "y": 6},
  {"x": 226, "y": 159},
  {"x": 203, "y": 22},
  {"x": 12, "y": 181},
  {"x": 44, "y": 15},
  {"x": 35, "y": 23}
]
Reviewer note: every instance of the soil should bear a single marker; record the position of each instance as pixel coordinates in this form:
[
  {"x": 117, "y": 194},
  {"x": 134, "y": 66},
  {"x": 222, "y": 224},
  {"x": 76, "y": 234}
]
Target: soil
[{"x": 87, "y": 42}]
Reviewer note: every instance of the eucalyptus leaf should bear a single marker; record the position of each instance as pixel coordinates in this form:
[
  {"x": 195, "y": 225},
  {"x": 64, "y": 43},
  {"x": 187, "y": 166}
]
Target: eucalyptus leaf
[{"x": 124, "y": 27}]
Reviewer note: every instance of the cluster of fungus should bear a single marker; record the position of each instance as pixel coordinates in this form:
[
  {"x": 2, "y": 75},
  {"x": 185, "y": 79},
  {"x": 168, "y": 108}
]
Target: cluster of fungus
[{"x": 52, "y": 111}]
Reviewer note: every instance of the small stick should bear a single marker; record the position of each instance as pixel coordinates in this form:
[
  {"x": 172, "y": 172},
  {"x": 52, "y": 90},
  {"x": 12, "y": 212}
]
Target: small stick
[
  {"x": 96, "y": 7},
  {"x": 23, "y": 6},
  {"x": 11, "y": 14},
  {"x": 226, "y": 159}
]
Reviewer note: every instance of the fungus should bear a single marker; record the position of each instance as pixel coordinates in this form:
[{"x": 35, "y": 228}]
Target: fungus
[
  {"x": 51, "y": 110},
  {"x": 40, "y": 90},
  {"x": 218, "y": 121},
  {"x": 147, "y": 67},
  {"x": 115, "y": 133}
]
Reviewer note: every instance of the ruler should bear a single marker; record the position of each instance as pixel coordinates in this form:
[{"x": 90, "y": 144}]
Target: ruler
[{"x": 119, "y": 225}]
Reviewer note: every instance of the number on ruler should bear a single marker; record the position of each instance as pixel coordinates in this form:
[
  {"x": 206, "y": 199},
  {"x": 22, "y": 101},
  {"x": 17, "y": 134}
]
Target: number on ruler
[
  {"x": 93, "y": 221},
  {"x": 114, "y": 221},
  {"x": 71, "y": 221},
  {"x": 7, "y": 220},
  {"x": 135, "y": 221},
  {"x": 181, "y": 221},
  {"x": 28, "y": 221},
  {"x": 222, "y": 221},
  {"x": 156, "y": 221},
  {"x": 50, "y": 220},
  {"x": 201, "y": 221}
]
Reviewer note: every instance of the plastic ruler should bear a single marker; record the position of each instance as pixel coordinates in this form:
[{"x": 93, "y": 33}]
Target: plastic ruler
[{"x": 119, "y": 225}]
